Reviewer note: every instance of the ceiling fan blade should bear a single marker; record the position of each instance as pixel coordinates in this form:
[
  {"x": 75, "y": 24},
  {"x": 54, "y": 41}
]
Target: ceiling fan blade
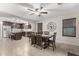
[
  {"x": 36, "y": 9},
  {"x": 41, "y": 8},
  {"x": 30, "y": 9},
  {"x": 44, "y": 12}
]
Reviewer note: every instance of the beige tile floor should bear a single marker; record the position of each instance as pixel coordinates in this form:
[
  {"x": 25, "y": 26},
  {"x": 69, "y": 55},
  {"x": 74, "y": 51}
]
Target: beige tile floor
[{"x": 22, "y": 47}]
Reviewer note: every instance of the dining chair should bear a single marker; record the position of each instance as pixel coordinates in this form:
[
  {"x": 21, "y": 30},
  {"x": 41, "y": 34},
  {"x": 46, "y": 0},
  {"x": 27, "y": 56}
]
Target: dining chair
[
  {"x": 46, "y": 33},
  {"x": 33, "y": 40},
  {"x": 29, "y": 34},
  {"x": 52, "y": 42},
  {"x": 39, "y": 41}
]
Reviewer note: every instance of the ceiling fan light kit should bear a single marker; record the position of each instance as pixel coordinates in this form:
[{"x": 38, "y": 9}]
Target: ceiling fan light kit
[{"x": 44, "y": 12}]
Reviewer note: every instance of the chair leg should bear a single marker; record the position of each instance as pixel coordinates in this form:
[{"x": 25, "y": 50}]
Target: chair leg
[
  {"x": 41, "y": 48},
  {"x": 29, "y": 39},
  {"x": 54, "y": 45},
  {"x": 53, "y": 48}
]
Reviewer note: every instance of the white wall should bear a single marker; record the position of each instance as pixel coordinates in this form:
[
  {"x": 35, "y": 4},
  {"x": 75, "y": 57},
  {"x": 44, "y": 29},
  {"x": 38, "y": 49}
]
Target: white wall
[
  {"x": 58, "y": 21},
  {"x": 0, "y": 29}
]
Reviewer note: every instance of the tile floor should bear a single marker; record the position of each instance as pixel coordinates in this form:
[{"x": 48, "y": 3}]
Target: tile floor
[{"x": 23, "y": 48}]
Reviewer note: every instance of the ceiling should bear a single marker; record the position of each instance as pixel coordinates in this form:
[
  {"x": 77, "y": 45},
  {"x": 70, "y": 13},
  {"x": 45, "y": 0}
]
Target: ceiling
[{"x": 53, "y": 9}]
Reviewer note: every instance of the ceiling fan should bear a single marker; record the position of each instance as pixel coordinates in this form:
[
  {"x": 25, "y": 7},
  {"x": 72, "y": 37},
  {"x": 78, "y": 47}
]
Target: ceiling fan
[{"x": 38, "y": 11}]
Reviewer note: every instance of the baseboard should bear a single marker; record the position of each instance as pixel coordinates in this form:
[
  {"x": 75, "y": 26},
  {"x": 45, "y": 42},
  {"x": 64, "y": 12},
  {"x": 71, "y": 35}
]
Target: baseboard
[{"x": 66, "y": 42}]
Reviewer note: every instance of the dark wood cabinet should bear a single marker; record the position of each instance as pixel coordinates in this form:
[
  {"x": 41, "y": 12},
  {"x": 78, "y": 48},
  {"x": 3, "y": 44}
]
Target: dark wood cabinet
[
  {"x": 18, "y": 26},
  {"x": 14, "y": 25},
  {"x": 16, "y": 36}
]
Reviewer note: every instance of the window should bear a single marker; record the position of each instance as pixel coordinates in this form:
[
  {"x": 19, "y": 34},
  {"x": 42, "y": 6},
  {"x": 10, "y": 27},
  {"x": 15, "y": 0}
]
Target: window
[{"x": 69, "y": 27}]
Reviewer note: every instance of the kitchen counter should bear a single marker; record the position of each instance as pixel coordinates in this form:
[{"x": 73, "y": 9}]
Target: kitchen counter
[{"x": 16, "y": 36}]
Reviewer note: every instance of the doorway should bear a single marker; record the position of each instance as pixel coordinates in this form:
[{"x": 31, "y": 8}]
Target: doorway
[{"x": 39, "y": 28}]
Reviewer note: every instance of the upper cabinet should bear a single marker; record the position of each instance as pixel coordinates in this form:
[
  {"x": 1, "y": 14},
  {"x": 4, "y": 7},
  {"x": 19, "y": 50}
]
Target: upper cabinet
[{"x": 14, "y": 25}]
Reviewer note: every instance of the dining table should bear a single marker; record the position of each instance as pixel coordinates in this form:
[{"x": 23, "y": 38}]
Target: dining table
[{"x": 45, "y": 39}]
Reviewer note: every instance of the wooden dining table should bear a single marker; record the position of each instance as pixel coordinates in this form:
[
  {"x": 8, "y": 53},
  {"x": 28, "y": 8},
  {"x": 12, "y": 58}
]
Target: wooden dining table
[{"x": 45, "y": 39}]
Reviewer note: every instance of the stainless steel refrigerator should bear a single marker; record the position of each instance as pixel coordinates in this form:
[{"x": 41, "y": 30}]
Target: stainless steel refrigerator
[{"x": 6, "y": 31}]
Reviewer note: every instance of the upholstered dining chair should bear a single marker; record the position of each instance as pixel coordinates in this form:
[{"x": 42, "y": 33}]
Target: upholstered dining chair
[
  {"x": 46, "y": 33},
  {"x": 52, "y": 42},
  {"x": 29, "y": 34},
  {"x": 33, "y": 40}
]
